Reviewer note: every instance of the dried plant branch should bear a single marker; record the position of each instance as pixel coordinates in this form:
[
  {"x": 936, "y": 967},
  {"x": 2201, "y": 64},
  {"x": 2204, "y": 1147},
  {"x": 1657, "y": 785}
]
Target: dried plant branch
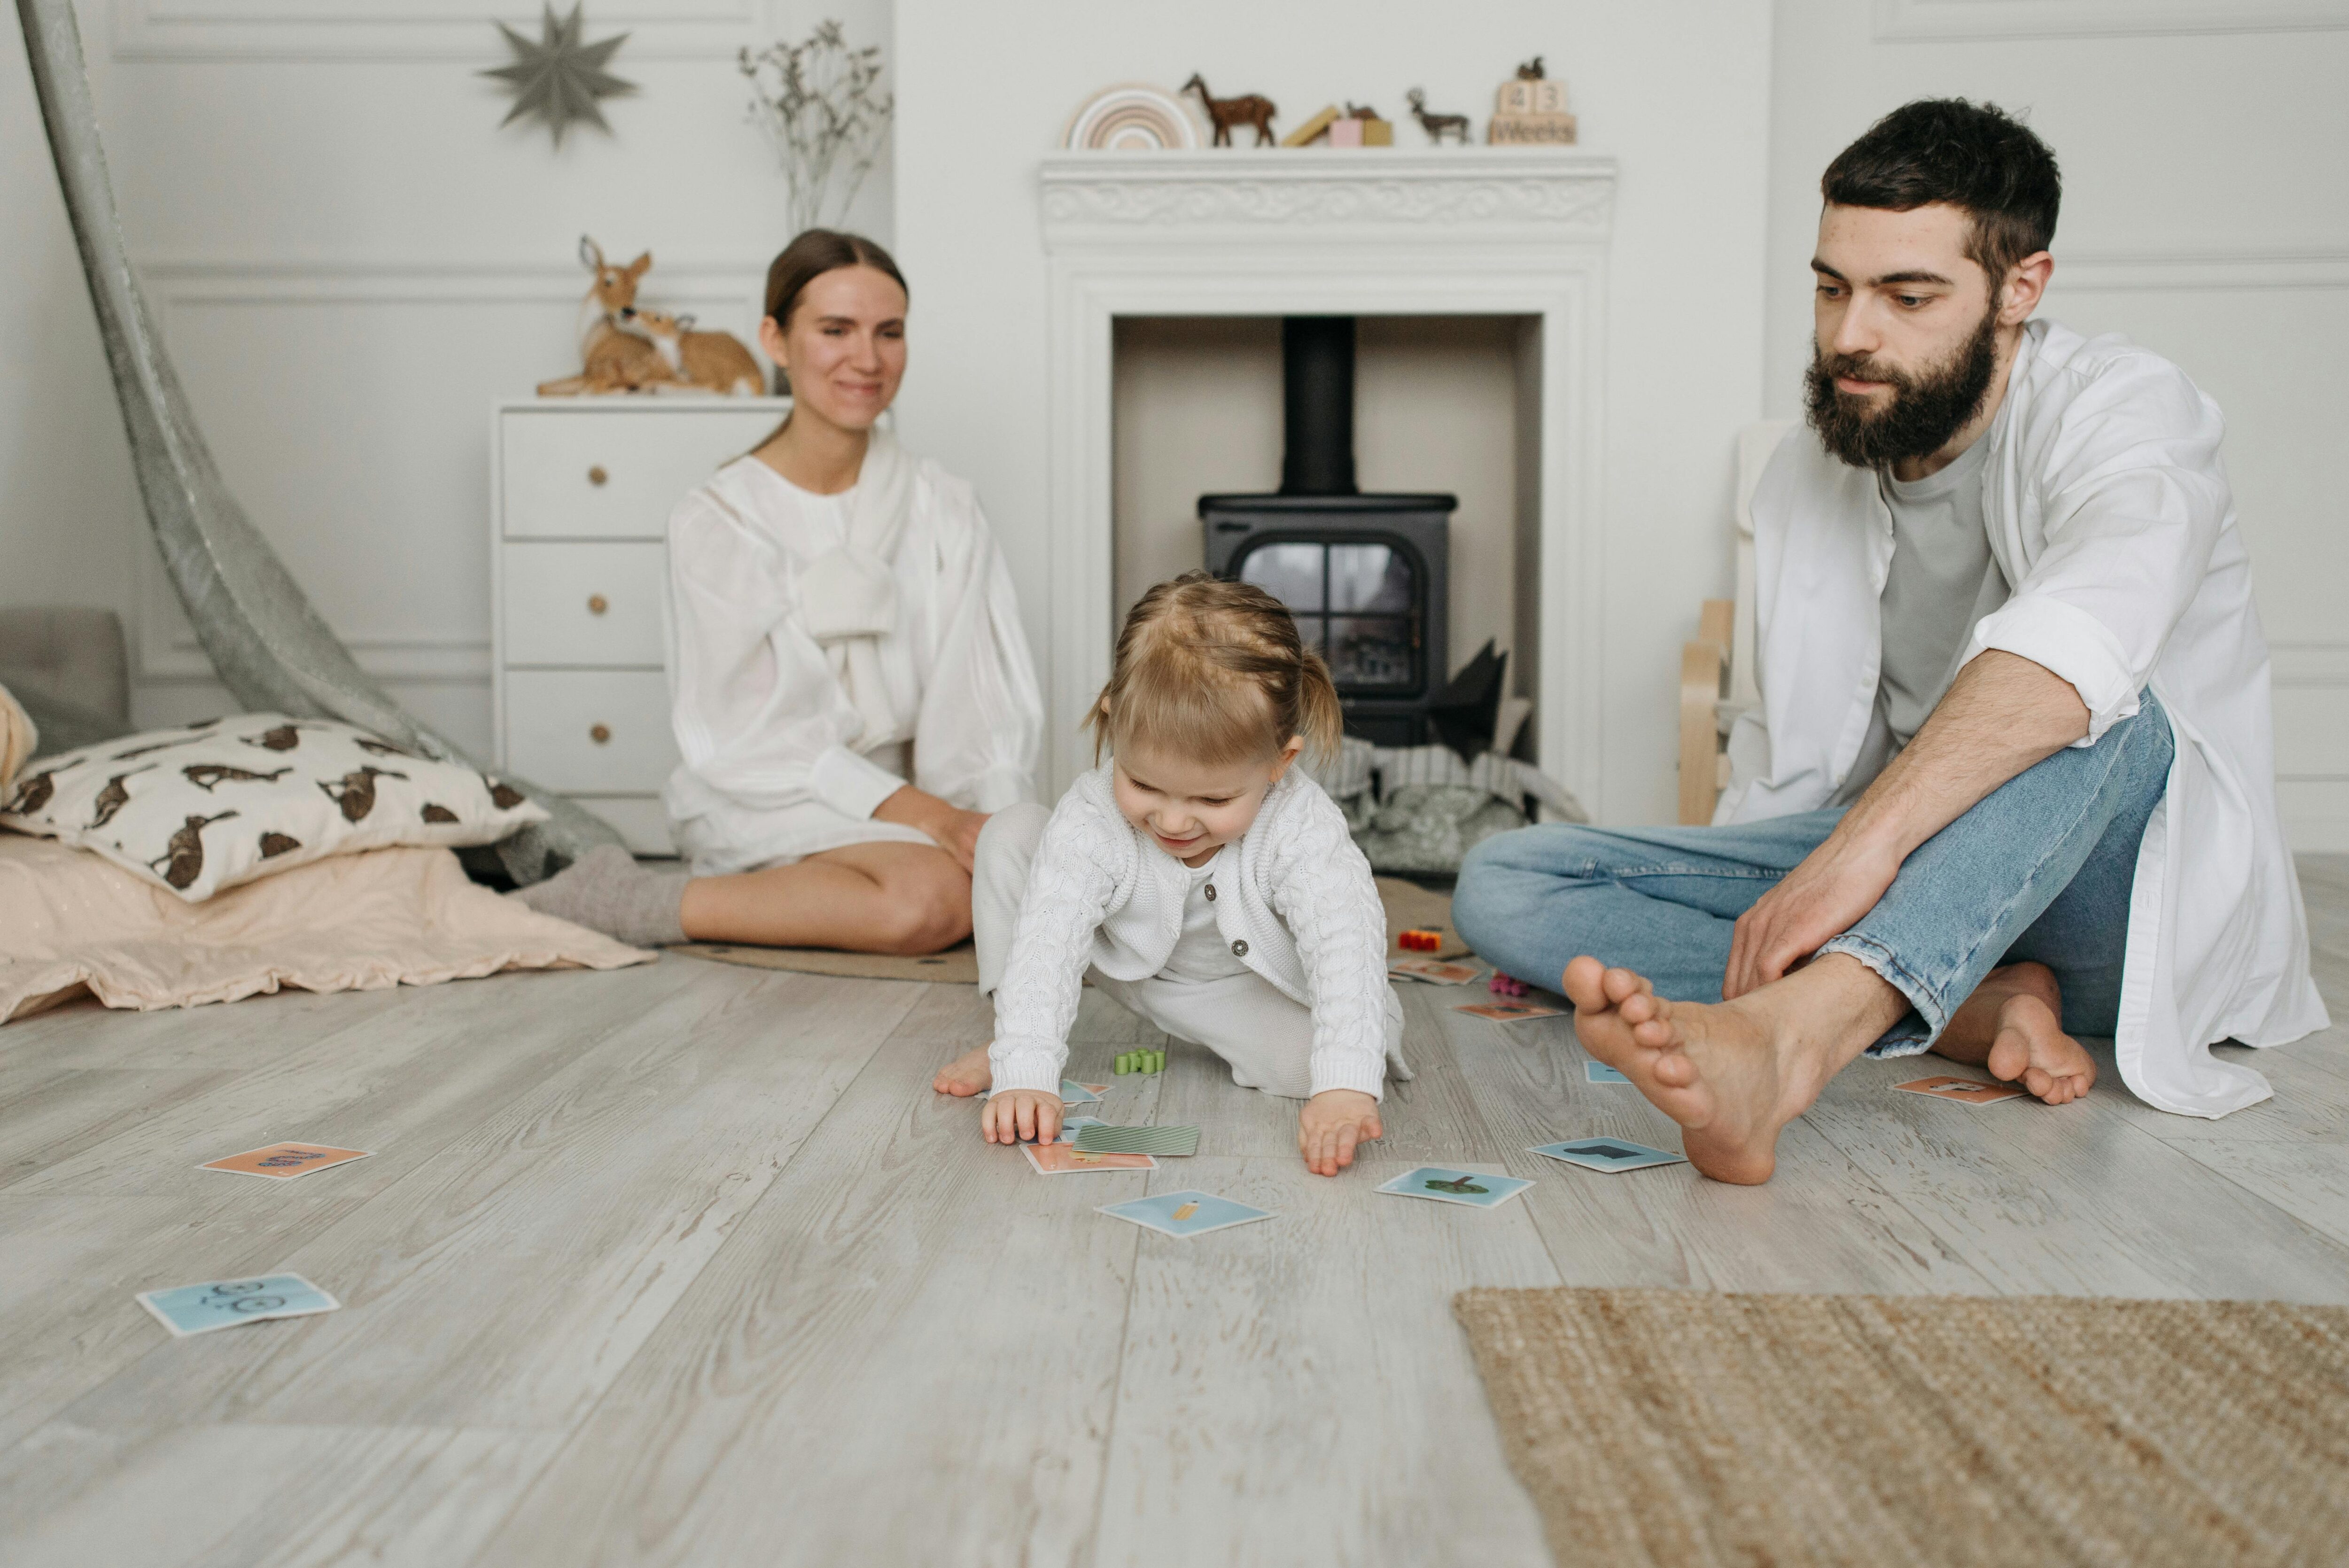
[{"x": 818, "y": 102}]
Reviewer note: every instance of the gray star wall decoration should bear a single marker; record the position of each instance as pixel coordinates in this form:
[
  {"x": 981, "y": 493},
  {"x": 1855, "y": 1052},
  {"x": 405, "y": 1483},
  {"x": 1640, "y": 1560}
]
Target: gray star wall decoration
[{"x": 559, "y": 78}]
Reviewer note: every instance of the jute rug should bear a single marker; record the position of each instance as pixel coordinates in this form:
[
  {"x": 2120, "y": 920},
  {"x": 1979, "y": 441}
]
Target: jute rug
[
  {"x": 1690, "y": 1428},
  {"x": 1408, "y": 905}
]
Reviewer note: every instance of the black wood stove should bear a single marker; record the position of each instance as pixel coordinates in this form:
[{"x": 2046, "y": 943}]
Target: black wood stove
[{"x": 1364, "y": 574}]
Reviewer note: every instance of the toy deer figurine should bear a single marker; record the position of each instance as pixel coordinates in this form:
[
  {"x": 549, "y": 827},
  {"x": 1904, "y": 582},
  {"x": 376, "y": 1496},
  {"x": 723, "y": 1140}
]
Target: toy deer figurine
[
  {"x": 613, "y": 359},
  {"x": 1225, "y": 113},
  {"x": 713, "y": 361},
  {"x": 1437, "y": 126}
]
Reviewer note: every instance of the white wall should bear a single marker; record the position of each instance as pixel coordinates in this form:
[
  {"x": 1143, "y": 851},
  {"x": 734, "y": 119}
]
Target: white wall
[
  {"x": 2206, "y": 215},
  {"x": 350, "y": 261},
  {"x": 1678, "y": 93}
]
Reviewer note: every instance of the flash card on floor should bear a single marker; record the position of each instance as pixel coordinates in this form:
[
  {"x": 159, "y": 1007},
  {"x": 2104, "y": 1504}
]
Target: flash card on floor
[
  {"x": 1100, "y": 1138},
  {"x": 1185, "y": 1213},
  {"x": 1600, "y": 1072},
  {"x": 1509, "y": 1011},
  {"x": 1434, "y": 971},
  {"x": 1073, "y": 1093},
  {"x": 1066, "y": 1160},
  {"x": 284, "y": 1161},
  {"x": 1478, "y": 1191},
  {"x": 223, "y": 1303},
  {"x": 1071, "y": 1126},
  {"x": 1608, "y": 1154},
  {"x": 1964, "y": 1091}
]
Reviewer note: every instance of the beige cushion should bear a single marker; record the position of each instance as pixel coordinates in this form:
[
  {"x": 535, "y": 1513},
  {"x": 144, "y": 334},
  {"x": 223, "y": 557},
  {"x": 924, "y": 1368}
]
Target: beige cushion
[
  {"x": 18, "y": 737},
  {"x": 215, "y": 804},
  {"x": 354, "y": 923}
]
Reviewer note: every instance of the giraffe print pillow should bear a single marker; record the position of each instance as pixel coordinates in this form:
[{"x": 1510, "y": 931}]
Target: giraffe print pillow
[{"x": 218, "y": 803}]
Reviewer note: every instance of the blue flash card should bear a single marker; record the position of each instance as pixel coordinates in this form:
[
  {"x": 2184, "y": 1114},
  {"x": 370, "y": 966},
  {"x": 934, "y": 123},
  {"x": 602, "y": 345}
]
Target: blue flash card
[
  {"x": 223, "y": 1303},
  {"x": 1445, "y": 1186},
  {"x": 1610, "y": 1154},
  {"x": 1074, "y": 1124},
  {"x": 1185, "y": 1213},
  {"x": 1600, "y": 1072}
]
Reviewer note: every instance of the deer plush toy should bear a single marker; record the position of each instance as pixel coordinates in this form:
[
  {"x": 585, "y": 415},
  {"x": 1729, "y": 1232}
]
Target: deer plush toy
[
  {"x": 614, "y": 359},
  {"x": 710, "y": 361}
]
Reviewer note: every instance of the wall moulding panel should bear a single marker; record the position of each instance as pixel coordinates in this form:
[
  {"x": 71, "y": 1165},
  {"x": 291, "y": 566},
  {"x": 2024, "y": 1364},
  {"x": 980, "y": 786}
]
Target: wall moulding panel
[
  {"x": 199, "y": 302},
  {"x": 379, "y": 30},
  {"x": 1513, "y": 232},
  {"x": 2147, "y": 270},
  {"x": 1903, "y": 21}
]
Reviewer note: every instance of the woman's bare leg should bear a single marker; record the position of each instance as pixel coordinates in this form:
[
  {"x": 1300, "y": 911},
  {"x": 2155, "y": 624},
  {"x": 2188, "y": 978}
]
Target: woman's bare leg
[{"x": 895, "y": 898}]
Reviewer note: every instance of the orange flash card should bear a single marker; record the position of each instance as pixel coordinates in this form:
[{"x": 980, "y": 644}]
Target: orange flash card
[
  {"x": 1066, "y": 1160},
  {"x": 284, "y": 1161},
  {"x": 1966, "y": 1091}
]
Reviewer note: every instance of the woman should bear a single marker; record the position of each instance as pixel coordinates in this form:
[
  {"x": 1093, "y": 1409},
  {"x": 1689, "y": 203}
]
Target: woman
[{"x": 852, "y": 690}]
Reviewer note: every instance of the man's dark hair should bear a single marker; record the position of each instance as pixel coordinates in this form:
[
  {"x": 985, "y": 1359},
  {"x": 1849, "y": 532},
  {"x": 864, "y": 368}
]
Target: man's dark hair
[{"x": 1976, "y": 157}]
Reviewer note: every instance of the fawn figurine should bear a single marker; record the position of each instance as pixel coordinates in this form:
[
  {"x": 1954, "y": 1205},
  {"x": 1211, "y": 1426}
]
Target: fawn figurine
[
  {"x": 613, "y": 359},
  {"x": 711, "y": 361}
]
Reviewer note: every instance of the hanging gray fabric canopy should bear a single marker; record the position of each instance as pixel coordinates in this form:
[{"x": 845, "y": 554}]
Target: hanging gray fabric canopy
[{"x": 270, "y": 648}]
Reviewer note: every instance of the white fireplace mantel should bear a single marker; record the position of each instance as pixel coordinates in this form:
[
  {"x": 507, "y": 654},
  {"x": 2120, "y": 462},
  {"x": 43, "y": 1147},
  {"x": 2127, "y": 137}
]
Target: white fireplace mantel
[{"x": 1311, "y": 231}]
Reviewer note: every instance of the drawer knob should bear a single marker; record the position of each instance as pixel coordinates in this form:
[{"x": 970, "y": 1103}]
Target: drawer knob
[
  {"x": 596, "y": 476},
  {"x": 597, "y": 604},
  {"x": 601, "y": 733}
]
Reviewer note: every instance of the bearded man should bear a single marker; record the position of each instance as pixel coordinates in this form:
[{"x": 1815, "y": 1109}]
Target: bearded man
[{"x": 2012, "y": 777}]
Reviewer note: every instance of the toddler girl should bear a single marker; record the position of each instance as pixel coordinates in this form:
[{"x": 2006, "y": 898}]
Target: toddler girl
[{"x": 1202, "y": 880}]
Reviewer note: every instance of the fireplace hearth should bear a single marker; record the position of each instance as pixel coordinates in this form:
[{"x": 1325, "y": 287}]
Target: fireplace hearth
[{"x": 1364, "y": 575}]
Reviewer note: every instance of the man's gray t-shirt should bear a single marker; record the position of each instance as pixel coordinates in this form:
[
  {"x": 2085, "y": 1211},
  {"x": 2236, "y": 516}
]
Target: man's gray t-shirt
[{"x": 1942, "y": 580}]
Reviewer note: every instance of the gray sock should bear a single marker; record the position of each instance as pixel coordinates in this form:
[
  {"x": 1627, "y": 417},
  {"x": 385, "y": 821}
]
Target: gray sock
[{"x": 604, "y": 889}]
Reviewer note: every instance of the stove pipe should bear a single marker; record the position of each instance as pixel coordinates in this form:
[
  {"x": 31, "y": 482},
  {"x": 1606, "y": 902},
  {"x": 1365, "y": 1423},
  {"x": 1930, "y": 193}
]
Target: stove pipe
[{"x": 1317, "y": 376}]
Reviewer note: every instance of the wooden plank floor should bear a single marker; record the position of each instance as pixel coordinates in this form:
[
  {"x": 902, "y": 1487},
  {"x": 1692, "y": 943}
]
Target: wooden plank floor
[{"x": 685, "y": 1264}]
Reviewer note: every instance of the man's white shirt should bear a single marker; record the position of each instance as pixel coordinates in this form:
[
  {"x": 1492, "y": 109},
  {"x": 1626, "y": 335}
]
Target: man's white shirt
[{"x": 2108, "y": 511}]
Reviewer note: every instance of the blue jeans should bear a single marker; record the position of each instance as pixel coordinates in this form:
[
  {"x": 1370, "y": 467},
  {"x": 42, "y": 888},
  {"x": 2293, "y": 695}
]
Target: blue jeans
[{"x": 2041, "y": 869}]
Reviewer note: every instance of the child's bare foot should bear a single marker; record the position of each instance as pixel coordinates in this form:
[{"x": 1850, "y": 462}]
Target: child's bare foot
[
  {"x": 1732, "y": 1074},
  {"x": 2013, "y": 1024},
  {"x": 966, "y": 1075}
]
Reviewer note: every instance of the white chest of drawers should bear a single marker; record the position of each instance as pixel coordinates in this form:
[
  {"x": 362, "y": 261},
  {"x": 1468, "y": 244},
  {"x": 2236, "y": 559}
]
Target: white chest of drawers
[{"x": 580, "y": 493}]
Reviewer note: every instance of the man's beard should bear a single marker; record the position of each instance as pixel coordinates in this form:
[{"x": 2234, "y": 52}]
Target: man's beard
[{"x": 1926, "y": 407}]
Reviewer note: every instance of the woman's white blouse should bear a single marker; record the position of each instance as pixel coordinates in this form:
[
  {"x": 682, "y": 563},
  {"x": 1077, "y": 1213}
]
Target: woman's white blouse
[{"x": 776, "y": 763}]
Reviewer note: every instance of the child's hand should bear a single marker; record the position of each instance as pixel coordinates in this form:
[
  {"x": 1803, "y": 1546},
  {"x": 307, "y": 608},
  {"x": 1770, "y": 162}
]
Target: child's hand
[
  {"x": 1331, "y": 1124},
  {"x": 1023, "y": 1116}
]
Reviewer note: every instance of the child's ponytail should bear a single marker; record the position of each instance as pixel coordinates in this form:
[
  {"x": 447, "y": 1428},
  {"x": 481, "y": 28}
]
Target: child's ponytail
[{"x": 1319, "y": 720}]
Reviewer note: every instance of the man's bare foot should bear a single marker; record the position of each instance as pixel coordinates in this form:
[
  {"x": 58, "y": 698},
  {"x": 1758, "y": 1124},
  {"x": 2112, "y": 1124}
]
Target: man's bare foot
[
  {"x": 2013, "y": 1024},
  {"x": 1731, "y": 1073},
  {"x": 966, "y": 1075}
]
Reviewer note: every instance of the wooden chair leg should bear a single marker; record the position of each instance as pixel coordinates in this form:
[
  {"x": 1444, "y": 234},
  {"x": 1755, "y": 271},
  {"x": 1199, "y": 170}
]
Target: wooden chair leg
[{"x": 1704, "y": 679}]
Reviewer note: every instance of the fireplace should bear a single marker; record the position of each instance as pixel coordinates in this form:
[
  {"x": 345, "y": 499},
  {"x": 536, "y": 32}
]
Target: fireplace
[
  {"x": 1364, "y": 575},
  {"x": 1476, "y": 232}
]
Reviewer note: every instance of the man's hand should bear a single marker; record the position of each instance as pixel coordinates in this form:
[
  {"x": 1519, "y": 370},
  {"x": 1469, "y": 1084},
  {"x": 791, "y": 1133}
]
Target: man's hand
[
  {"x": 1332, "y": 1124},
  {"x": 1816, "y": 902},
  {"x": 2002, "y": 715},
  {"x": 950, "y": 827},
  {"x": 1021, "y": 1116}
]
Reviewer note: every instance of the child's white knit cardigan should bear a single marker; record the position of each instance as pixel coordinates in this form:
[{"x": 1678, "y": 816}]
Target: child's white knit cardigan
[{"x": 1300, "y": 907}]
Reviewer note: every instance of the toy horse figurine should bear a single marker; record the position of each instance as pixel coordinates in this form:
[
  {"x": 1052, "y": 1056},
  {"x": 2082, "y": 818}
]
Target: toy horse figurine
[
  {"x": 1225, "y": 113},
  {"x": 1437, "y": 126}
]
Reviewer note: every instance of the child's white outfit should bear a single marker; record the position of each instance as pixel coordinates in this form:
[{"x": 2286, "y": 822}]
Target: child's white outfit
[{"x": 1272, "y": 954}]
